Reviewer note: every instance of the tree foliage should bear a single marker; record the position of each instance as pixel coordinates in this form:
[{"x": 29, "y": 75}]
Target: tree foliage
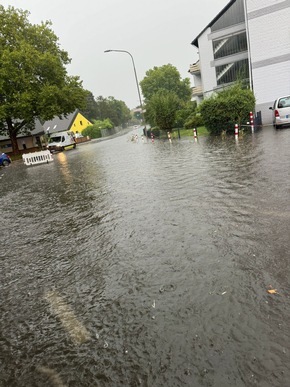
[
  {"x": 182, "y": 115},
  {"x": 33, "y": 77},
  {"x": 194, "y": 120},
  {"x": 116, "y": 111},
  {"x": 90, "y": 109},
  {"x": 167, "y": 97},
  {"x": 162, "y": 108},
  {"x": 222, "y": 111},
  {"x": 166, "y": 78}
]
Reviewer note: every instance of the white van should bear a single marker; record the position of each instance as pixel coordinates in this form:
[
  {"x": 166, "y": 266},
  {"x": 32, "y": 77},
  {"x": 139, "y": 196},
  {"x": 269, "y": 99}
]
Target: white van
[
  {"x": 281, "y": 111},
  {"x": 60, "y": 141}
]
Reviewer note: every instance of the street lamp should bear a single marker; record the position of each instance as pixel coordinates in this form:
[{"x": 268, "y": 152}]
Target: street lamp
[{"x": 137, "y": 83}]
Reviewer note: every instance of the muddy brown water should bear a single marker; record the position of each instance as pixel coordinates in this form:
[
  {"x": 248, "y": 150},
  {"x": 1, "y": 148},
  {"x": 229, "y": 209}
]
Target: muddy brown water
[{"x": 141, "y": 264}]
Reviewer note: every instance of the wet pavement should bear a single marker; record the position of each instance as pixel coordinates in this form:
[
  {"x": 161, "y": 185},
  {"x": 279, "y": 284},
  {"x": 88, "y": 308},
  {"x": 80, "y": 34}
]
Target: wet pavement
[{"x": 148, "y": 264}]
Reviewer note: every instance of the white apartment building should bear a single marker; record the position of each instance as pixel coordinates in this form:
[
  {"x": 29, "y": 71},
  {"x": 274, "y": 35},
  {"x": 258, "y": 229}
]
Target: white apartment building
[{"x": 249, "y": 40}]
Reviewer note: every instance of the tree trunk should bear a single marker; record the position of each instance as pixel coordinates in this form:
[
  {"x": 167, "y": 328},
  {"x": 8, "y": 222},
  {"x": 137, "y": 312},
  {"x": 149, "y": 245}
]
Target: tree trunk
[{"x": 13, "y": 137}]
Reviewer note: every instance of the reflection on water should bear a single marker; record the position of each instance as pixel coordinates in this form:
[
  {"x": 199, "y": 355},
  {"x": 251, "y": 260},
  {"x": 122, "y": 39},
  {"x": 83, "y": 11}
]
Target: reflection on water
[
  {"x": 134, "y": 263},
  {"x": 77, "y": 331},
  {"x": 63, "y": 168}
]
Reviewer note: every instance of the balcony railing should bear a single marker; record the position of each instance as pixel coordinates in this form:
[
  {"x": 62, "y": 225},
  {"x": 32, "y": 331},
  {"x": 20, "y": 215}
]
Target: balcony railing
[
  {"x": 197, "y": 90},
  {"x": 194, "y": 68}
]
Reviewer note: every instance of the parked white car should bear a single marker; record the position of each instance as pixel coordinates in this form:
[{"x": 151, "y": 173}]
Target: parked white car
[{"x": 281, "y": 111}]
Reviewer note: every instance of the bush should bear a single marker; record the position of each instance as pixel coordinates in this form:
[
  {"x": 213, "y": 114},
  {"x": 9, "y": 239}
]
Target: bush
[
  {"x": 182, "y": 115},
  {"x": 94, "y": 131},
  {"x": 193, "y": 121},
  {"x": 156, "y": 132},
  {"x": 232, "y": 106}
]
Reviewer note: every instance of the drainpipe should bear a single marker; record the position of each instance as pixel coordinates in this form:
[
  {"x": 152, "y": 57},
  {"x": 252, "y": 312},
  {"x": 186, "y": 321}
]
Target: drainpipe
[{"x": 249, "y": 45}]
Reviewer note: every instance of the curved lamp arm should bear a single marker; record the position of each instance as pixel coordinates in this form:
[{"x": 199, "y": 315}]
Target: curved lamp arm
[{"x": 136, "y": 78}]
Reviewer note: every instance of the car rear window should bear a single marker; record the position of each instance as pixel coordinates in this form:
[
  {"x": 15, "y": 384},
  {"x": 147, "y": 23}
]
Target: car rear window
[{"x": 284, "y": 102}]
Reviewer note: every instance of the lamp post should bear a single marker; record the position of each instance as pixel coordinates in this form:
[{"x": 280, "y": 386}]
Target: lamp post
[{"x": 137, "y": 83}]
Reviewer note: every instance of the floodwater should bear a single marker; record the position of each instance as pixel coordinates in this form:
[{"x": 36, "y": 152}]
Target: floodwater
[{"x": 148, "y": 264}]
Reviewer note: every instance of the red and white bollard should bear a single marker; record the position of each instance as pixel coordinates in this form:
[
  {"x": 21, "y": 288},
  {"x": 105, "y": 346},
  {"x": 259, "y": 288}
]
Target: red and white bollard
[
  {"x": 236, "y": 131},
  {"x": 169, "y": 136},
  {"x": 195, "y": 134},
  {"x": 252, "y": 121},
  {"x": 152, "y": 137}
]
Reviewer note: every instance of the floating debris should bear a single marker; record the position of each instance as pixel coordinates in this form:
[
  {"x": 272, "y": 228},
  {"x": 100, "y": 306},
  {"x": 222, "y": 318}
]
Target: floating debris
[{"x": 271, "y": 290}]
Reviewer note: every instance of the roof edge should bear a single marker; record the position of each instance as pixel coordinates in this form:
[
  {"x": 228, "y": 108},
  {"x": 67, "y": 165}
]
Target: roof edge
[
  {"x": 195, "y": 41},
  {"x": 76, "y": 112}
]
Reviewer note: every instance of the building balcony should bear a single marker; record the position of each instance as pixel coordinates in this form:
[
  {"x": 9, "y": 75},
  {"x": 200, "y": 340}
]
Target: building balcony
[
  {"x": 194, "y": 68},
  {"x": 197, "y": 91}
]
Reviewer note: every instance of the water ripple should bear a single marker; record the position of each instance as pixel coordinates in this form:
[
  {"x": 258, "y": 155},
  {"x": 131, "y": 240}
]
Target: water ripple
[{"x": 148, "y": 264}]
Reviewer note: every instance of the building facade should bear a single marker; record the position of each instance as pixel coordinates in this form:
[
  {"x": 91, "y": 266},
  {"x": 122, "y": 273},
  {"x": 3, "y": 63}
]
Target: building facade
[{"x": 248, "y": 40}]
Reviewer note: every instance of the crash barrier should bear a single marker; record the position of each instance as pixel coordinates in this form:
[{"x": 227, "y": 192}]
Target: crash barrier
[{"x": 37, "y": 157}]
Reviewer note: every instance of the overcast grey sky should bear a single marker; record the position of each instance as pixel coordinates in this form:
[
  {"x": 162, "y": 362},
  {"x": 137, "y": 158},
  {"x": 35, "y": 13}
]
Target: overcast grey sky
[{"x": 155, "y": 32}]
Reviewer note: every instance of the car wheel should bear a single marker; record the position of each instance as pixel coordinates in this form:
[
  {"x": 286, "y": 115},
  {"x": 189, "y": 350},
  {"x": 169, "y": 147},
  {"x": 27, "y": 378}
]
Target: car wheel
[
  {"x": 5, "y": 163},
  {"x": 277, "y": 126},
  {"x": 74, "y": 147}
]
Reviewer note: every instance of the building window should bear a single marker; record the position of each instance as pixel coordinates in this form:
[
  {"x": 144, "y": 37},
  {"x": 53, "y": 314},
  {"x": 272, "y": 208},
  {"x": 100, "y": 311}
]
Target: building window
[
  {"x": 232, "y": 72},
  {"x": 81, "y": 122},
  {"x": 230, "y": 45}
]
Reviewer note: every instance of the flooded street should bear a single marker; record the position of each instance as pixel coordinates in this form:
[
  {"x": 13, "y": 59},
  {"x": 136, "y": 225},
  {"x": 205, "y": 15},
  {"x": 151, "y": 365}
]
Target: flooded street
[{"x": 148, "y": 264}]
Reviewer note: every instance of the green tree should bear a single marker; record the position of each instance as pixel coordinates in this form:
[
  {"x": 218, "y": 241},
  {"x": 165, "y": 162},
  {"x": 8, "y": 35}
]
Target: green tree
[
  {"x": 188, "y": 109},
  {"x": 229, "y": 107},
  {"x": 166, "y": 78},
  {"x": 33, "y": 77},
  {"x": 194, "y": 120},
  {"x": 162, "y": 108},
  {"x": 120, "y": 112},
  {"x": 103, "y": 110},
  {"x": 113, "y": 109},
  {"x": 90, "y": 109}
]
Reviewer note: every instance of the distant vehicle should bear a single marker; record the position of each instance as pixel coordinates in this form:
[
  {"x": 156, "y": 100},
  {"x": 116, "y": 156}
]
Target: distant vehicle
[
  {"x": 136, "y": 126},
  {"x": 60, "y": 141},
  {"x": 281, "y": 112},
  {"x": 4, "y": 160}
]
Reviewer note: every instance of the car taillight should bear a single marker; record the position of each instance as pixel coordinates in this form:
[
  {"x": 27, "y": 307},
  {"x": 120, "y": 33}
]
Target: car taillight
[{"x": 276, "y": 113}]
